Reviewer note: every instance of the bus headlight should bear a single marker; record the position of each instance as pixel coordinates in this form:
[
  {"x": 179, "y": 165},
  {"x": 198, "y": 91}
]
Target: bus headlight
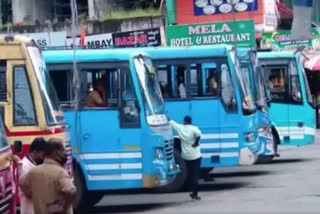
[
  {"x": 249, "y": 137},
  {"x": 171, "y": 165},
  {"x": 159, "y": 154}
]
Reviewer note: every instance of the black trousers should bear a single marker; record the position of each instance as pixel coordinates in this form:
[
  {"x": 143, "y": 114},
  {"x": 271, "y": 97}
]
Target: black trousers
[{"x": 193, "y": 169}]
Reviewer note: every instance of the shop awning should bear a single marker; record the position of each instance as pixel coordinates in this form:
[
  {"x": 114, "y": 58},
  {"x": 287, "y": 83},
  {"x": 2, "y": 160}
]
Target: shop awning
[{"x": 313, "y": 63}]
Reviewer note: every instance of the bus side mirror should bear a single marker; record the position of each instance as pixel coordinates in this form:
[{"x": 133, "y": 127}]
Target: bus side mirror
[{"x": 17, "y": 147}]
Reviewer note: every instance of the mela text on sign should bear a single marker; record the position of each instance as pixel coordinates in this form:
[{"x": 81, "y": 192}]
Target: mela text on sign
[
  {"x": 210, "y": 39},
  {"x": 216, "y": 33}
]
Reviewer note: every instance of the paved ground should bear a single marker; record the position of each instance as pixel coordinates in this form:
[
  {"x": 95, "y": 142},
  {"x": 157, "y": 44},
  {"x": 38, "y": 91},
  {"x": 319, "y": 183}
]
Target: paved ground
[{"x": 290, "y": 185}]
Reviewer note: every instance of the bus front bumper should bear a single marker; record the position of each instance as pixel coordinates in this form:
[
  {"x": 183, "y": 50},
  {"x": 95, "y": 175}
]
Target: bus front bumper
[{"x": 166, "y": 173}]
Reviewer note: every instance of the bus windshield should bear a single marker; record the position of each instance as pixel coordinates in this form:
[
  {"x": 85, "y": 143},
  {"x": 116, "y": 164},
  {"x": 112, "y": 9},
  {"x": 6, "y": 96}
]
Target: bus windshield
[
  {"x": 244, "y": 84},
  {"x": 3, "y": 136},
  {"x": 152, "y": 97},
  {"x": 260, "y": 88},
  {"x": 53, "y": 112}
]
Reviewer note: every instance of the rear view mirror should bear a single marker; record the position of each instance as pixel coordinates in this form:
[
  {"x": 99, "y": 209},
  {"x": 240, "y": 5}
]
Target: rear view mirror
[{"x": 17, "y": 147}]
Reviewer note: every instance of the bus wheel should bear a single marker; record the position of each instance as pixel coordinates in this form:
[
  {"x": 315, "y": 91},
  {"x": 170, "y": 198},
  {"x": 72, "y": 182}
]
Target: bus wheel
[
  {"x": 177, "y": 183},
  {"x": 79, "y": 204},
  {"x": 276, "y": 142},
  {"x": 84, "y": 199},
  {"x": 265, "y": 158}
]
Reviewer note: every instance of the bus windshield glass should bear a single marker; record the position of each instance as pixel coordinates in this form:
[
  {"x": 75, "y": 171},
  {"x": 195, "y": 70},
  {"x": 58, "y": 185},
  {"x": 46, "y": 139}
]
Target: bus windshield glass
[
  {"x": 244, "y": 84},
  {"x": 3, "y": 136},
  {"x": 152, "y": 97},
  {"x": 53, "y": 112},
  {"x": 260, "y": 88}
]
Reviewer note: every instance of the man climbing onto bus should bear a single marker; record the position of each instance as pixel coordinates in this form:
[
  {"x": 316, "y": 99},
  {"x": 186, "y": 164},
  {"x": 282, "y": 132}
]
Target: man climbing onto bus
[{"x": 190, "y": 145}]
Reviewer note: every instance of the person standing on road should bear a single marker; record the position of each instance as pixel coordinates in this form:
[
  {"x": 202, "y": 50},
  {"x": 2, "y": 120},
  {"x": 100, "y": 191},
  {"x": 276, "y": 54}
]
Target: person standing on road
[
  {"x": 32, "y": 159},
  {"x": 49, "y": 186},
  {"x": 190, "y": 145}
]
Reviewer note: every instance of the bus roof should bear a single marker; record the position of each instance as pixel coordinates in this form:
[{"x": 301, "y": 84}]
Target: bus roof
[
  {"x": 187, "y": 52},
  {"x": 14, "y": 39},
  {"x": 85, "y": 55},
  {"x": 276, "y": 54}
]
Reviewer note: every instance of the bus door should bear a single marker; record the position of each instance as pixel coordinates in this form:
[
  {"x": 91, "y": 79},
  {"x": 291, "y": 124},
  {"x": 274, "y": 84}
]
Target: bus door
[
  {"x": 205, "y": 111},
  {"x": 172, "y": 79},
  {"x": 229, "y": 117},
  {"x": 277, "y": 75},
  {"x": 297, "y": 121},
  {"x": 110, "y": 122}
]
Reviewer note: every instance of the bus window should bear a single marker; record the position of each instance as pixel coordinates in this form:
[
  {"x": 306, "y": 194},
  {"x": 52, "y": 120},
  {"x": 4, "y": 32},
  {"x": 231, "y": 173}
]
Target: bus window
[
  {"x": 227, "y": 90},
  {"x": 100, "y": 87},
  {"x": 24, "y": 111},
  {"x": 62, "y": 79},
  {"x": 3, "y": 81},
  {"x": 276, "y": 77},
  {"x": 203, "y": 81},
  {"x": 295, "y": 89},
  {"x": 181, "y": 81},
  {"x": 195, "y": 81},
  {"x": 172, "y": 79},
  {"x": 129, "y": 107},
  {"x": 212, "y": 82},
  {"x": 162, "y": 74}
]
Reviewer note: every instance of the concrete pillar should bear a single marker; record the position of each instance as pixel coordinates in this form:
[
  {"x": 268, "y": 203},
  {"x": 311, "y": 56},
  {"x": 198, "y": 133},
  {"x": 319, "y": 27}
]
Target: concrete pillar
[
  {"x": 22, "y": 10},
  {"x": 92, "y": 12},
  {"x": 27, "y": 11},
  {"x": 98, "y": 8}
]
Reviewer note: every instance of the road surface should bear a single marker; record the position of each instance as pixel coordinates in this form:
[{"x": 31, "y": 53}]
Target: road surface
[{"x": 291, "y": 184}]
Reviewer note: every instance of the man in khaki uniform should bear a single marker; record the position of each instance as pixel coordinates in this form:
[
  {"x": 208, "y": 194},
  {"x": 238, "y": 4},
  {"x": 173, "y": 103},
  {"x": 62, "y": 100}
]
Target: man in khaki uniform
[
  {"x": 48, "y": 185},
  {"x": 97, "y": 97}
]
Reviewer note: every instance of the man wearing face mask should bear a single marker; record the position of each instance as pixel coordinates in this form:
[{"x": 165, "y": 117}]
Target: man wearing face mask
[
  {"x": 33, "y": 158},
  {"x": 48, "y": 185}
]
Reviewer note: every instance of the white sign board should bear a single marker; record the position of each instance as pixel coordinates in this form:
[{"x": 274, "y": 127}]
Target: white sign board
[
  {"x": 46, "y": 39},
  {"x": 95, "y": 41}
]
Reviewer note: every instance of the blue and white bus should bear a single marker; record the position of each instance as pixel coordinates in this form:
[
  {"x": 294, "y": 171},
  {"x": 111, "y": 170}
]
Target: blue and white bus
[
  {"x": 292, "y": 109},
  {"x": 127, "y": 141},
  {"x": 206, "y": 83},
  {"x": 251, "y": 71}
]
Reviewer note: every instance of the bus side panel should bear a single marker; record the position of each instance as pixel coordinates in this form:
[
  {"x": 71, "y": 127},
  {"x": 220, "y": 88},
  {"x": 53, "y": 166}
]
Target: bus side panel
[
  {"x": 205, "y": 114},
  {"x": 103, "y": 156},
  {"x": 301, "y": 126},
  {"x": 230, "y": 137},
  {"x": 279, "y": 114}
]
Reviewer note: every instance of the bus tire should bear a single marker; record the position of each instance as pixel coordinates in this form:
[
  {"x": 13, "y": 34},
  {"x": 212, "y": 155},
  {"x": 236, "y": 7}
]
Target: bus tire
[
  {"x": 85, "y": 199},
  {"x": 79, "y": 204},
  {"x": 179, "y": 181},
  {"x": 276, "y": 140},
  {"x": 265, "y": 159}
]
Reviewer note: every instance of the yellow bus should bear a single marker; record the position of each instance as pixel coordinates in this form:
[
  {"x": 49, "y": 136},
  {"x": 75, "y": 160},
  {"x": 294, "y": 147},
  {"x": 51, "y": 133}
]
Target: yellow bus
[
  {"x": 28, "y": 102},
  {"x": 7, "y": 204}
]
